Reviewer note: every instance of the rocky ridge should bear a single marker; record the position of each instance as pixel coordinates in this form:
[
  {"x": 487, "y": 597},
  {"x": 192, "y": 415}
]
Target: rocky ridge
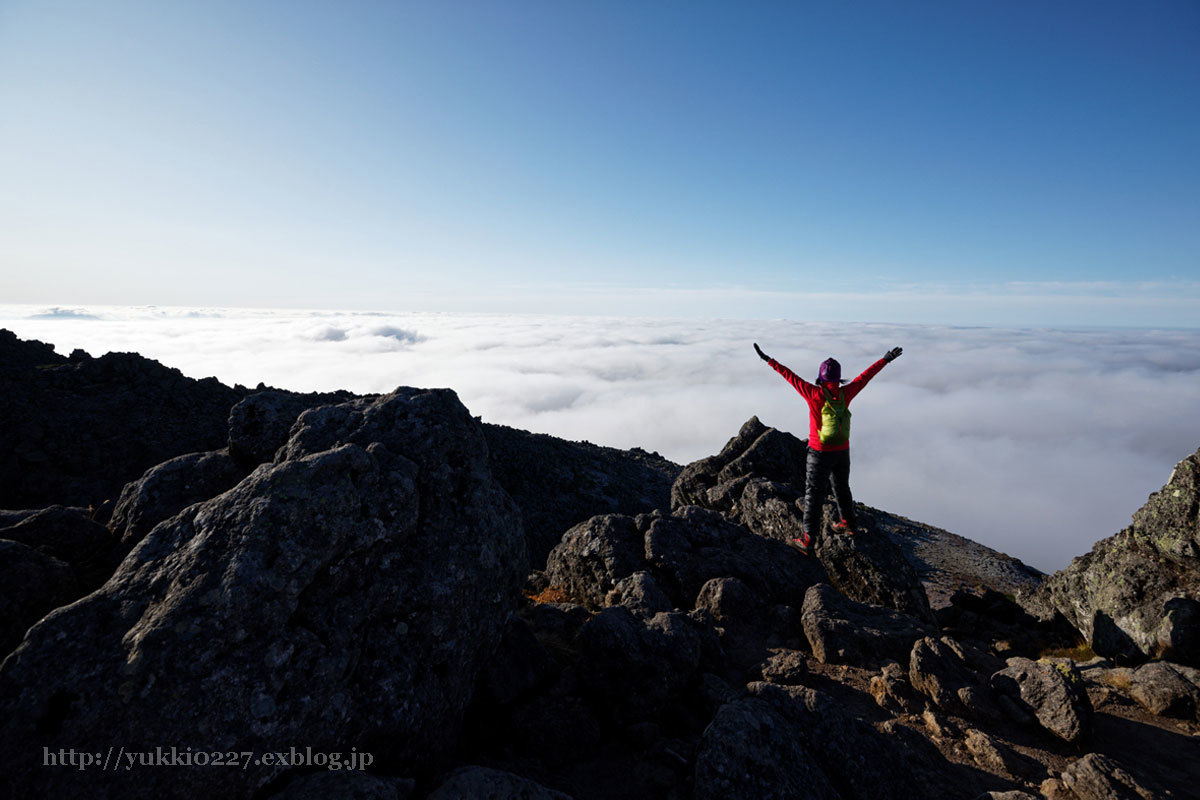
[{"x": 343, "y": 573}]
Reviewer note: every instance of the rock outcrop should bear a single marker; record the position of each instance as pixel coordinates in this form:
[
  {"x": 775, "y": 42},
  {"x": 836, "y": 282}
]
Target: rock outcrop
[
  {"x": 77, "y": 429},
  {"x": 1136, "y": 595},
  {"x": 559, "y": 484},
  {"x": 1050, "y": 692},
  {"x": 345, "y": 595}
]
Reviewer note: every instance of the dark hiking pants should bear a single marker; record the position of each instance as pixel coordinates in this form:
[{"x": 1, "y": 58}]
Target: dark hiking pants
[{"x": 826, "y": 469}]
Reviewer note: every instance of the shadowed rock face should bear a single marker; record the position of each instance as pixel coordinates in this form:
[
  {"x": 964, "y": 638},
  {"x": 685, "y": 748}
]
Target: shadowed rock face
[
  {"x": 344, "y": 595},
  {"x": 1134, "y": 596},
  {"x": 559, "y": 484},
  {"x": 76, "y": 430}
]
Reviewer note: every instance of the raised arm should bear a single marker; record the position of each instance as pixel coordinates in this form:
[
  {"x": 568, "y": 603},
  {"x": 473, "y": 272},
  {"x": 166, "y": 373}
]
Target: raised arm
[
  {"x": 855, "y": 386},
  {"x": 799, "y": 384}
]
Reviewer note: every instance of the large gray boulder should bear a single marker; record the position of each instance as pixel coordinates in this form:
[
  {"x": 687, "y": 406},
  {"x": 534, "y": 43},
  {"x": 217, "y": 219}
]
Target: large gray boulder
[
  {"x": 943, "y": 671},
  {"x": 343, "y": 596},
  {"x": 1136, "y": 595},
  {"x": 681, "y": 552},
  {"x": 871, "y": 569},
  {"x": 843, "y": 631},
  {"x": 1050, "y": 691},
  {"x": 1097, "y": 777},
  {"x": 165, "y": 490}
]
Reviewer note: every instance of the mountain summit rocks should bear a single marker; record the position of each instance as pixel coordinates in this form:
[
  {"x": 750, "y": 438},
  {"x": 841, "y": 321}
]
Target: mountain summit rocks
[
  {"x": 345, "y": 594},
  {"x": 1136, "y": 595}
]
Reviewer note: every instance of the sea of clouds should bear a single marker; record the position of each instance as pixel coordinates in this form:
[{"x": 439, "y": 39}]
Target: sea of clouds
[{"x": 1036, "y": 442}]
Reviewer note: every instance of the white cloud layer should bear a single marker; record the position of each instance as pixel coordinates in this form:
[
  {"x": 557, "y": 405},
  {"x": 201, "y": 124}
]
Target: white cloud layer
[{"x": 1035, "y": 442}]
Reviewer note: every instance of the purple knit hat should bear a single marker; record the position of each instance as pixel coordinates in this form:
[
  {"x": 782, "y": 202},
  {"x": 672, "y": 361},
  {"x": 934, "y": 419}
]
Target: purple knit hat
[{"x": 831, "y": 371}]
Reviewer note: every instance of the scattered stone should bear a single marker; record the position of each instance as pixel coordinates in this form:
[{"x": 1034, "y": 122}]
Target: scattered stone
[
  {"x": 1053, "y": 691},
  {"x": 1162, "y": 690},
  {"x": 785, "y": 667},
  {"x": 640, "y": 593},
  {"x": 893, "y": 692},
  {"x": 994, "y": 756},
  {"x": 1096, "y": 777},
  {"x": 938, "y": 669},
  {"x": 840, "y": 630}
]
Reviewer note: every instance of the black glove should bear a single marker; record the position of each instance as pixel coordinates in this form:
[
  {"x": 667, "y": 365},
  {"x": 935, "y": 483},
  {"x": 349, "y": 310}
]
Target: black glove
[
  {"x": 893, "y": 354},
  {"x": 761, "y": 354}
]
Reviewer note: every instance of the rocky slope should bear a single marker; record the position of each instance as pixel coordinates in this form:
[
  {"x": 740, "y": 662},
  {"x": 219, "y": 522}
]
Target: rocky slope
[
  {"x": 1136, "y": 595},
  {"x": 343, "y": 574}
]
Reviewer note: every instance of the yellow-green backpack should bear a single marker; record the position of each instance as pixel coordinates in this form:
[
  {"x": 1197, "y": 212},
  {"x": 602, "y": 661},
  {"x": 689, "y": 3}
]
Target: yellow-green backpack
[{"x": 835, "y": 419}]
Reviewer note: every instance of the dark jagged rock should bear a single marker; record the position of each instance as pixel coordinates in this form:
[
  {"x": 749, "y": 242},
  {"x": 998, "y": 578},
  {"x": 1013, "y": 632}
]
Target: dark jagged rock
[
  {"x": 871, "y": 569},
  {"x": 1135, "y": 595},
  {"x": 796, "y": 742},
  {"x": 641, "y": 594},
  {"x": 786, "y": 667},
  {"x": 682, "y": 552},
  {"x": 843, "y": 631},
  {"x": 167, "y": 489},
  {"x": 594, "y": 556},
  {"x": 694, "y": 545},
  {"x": 34, "y": 584},
  {"x": 1161, "y": 690},
  {"x": 634, "y": 667},
  {"x": 559, "y": 484},
  {"x": 940, "y": 670},
  {"x": 77, "y": 430},
  {"x": 484, "y": 783},
  {"x": 346, "y": 595},
  {"x": 347, "y": 784},
  {"x": 892, "y": 690},
  {"x": 69, "y": 536},
  {"x": 1053, "y": 691},
  {"x": 757, "y": 480},
  {"x": 756, "y": 451},
  {"x": 992, "y": 617},
  {"x": 259, "y": 424},
  {"x": 1097, "y": 777}
]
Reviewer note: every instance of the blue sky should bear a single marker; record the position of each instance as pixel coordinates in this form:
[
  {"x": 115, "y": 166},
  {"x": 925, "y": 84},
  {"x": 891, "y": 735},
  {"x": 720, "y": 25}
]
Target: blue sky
[{"x": 997, "y": 163}]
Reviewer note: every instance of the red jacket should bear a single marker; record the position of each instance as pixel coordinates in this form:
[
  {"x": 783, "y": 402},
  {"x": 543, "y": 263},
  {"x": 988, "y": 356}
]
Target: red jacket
[{"x": 816, "y": 399}]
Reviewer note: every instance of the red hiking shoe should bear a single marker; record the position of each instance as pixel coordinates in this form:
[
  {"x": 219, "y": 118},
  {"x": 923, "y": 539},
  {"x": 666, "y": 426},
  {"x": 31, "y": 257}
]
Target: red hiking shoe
[
  {"x": 803, "y": 543},
  {"x": 841, "y": 526}
]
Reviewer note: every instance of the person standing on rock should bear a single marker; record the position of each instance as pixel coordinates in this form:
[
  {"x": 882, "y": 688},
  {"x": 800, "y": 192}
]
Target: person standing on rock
[{"x": 828, "y": 439}]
